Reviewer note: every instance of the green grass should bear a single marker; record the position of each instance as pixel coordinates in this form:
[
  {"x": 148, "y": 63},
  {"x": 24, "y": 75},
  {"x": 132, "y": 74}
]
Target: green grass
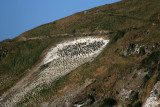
[
  {"x": 118, "y": 16},
  {"x": 22, "y": 55}
]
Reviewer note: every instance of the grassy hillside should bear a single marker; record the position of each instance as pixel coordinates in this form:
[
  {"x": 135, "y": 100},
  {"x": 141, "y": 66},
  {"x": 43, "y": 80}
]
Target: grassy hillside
[
  {"x": 117, "y": 16},
  {"x": 21, "y": 56},
  {"x": 133, "y": 21}
]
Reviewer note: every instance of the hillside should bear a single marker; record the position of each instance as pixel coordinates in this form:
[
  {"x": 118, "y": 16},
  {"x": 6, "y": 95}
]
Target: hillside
[{"x": 94, "y": 73}]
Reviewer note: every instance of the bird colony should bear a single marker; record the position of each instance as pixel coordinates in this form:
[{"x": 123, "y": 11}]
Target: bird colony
[{"x": 58, "y": 61}]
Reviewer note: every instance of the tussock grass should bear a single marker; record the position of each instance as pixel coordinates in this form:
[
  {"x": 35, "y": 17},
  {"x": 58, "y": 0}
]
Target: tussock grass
[{"x": 22, "y": 55}]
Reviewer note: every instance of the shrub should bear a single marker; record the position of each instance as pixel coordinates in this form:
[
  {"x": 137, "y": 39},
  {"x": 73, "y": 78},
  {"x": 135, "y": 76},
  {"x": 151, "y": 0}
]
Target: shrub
[
  {"x": 138, "y": 104},
  {"x": 146, "y": 78},
  {"x": 109, "y": 102},
  {"x": 129, "y": 105},
  {"x": 158, "y": 77},
  {"x": 156, "y": 91},
  {"x": 117, "y": 92},
  {"x": 155, "y": 18},
  {"x": 151, "y": 58},
  {"x": 142, "y": 51},
  {"x": 119, "y": 35},
  {"x": 92, "y": 99},
  {"x": 135, "y": 96},
  {"x": 74, "y": 31}
]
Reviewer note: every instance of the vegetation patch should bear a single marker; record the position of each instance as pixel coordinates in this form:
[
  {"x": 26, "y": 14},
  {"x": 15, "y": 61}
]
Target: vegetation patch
[
  {"x": 119, "y": 35},
  {"x": 135, "y": 97},
  {"x": 138, "y": 104},
  {"x": 108, "y": 102},
  {"x": 22, "y": 55},
  {"x": 152, "y": 58},
  {"x": 146, "y": 78}
]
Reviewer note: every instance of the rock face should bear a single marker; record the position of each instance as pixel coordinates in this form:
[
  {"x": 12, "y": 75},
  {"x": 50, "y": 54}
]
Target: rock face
[
  {"x": 59, "y": 61},
  {"x": 154, "y": 98},
  {"x": 139, "y": 49}
]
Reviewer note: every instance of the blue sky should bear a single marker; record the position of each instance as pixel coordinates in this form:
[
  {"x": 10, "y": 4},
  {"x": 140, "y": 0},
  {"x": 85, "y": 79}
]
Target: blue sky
[{"x": 18, "y": 16}]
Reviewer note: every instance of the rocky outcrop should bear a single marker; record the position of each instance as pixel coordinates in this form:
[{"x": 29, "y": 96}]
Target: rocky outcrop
[{"x": 137, "y": 49}]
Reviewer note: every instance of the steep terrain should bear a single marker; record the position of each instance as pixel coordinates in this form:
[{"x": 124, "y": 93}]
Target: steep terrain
[{"x": 53, "y": 69}]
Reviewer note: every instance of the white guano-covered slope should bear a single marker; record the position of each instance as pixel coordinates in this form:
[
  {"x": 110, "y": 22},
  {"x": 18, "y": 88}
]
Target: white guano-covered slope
[
  {"x": 154, "y": 98},
  {"x": 59, "y": 61}
]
